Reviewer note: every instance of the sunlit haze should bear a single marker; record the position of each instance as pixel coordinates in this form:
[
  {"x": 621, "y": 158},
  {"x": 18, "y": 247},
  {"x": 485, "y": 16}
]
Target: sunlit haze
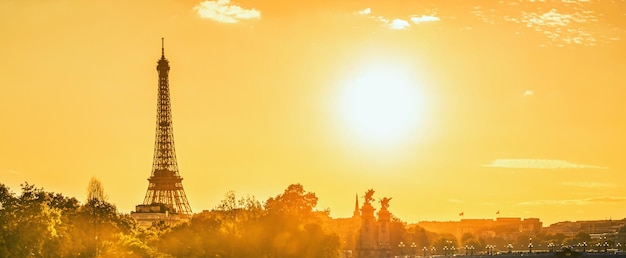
[
  {"x": 448, "y": 107},
  {"x": 379, "y": 105}
]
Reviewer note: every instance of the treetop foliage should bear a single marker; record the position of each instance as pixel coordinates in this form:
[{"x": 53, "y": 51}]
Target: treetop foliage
[
  {"x": 45, "y": 224},
  {"x": 293, "y": 202},
  {"x": 37, "y": 223},
  {"x": 95, "y": 190}
]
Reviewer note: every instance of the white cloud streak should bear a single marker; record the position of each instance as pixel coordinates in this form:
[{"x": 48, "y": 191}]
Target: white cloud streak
[
  {"x": 225, "y": 12},
  {"x": 365, "y": 11},
  {"x": 424, "y": 18},
  {"x": 399, "y": 24},
  {"x": 539, "y": 164}
]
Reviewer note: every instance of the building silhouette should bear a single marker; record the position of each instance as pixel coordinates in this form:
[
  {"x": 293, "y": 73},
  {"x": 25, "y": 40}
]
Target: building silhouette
[
  {"x": 165, "y": 200},
  {"x": 507, "y": 228},
  {"x": 597, "y": 229}
]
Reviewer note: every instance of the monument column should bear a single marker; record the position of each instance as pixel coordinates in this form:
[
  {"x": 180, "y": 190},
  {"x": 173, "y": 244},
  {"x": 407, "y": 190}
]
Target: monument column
[
  {"x": 384, "y": 217},
  {"x": 367, "y": 245}
]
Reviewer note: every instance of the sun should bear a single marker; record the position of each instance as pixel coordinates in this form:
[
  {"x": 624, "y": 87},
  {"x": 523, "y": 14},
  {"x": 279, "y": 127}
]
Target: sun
[{"x": 380, "y": 106}]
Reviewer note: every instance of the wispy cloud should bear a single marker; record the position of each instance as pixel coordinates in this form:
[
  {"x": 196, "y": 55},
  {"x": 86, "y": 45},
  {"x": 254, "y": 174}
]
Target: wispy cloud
[
  {"x": 397, "y": 23},
  {"x": 588, "y": 184},
  {"x": 455, "y": 200},
  {"x": 225, "y": 12},
  {"x": 539, "y": 164},
  {"x": 365, "y": 11},
  {"x": 603, "y": 199},
  {"x": 424, "y": 18},
  {"x": 562, "y": 27}
]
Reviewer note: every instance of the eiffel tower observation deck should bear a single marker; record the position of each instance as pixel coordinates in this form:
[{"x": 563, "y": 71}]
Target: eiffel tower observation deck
[{"x": 165, "y": 200}]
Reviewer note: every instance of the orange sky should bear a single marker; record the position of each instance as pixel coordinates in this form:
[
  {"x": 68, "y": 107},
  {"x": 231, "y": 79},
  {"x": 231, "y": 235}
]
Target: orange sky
[{"x": 520, "y": 103}]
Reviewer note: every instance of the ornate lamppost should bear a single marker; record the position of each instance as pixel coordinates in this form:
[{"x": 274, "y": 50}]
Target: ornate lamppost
[
  {"x": 584, "y": 246},
  {"x": 530, "y": 245},
  {"x": 510, "y": 247},
  {"x": 433, "y": 251},
  {"x": 424, "y": 250},
  {"x": 551, "y": 247},
  {"x": 401, "y": 247},
  {"x": 414, "y": 249}
]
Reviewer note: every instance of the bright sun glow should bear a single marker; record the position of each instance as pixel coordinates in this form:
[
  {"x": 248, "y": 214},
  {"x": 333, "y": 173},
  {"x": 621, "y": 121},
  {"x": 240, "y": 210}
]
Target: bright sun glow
[{"x": 380, "y": 106}]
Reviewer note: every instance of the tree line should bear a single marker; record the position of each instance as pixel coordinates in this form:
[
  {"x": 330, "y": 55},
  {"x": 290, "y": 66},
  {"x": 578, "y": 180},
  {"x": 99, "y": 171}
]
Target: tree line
[{"x": 37, "y": 223}]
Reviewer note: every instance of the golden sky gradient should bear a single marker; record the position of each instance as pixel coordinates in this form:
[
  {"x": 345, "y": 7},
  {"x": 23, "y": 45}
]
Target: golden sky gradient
[{"x": 512, "y": 106}]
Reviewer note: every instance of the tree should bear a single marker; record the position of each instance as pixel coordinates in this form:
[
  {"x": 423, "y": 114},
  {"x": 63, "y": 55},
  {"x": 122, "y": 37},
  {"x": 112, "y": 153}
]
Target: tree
[
  {"x": 445, "y": 242},
  {"x": 290, "y": 228},
  {"x": 233, "y": 229},
  {"x": 467, "y": 236},
  {"x": 97, "y": 229},
  {"x": 32, "y": 222},
  {"x": 95, "y": 190},
  {"x": 238, "y": 211},
  {"x": 237, "y": 221},
  {"x": 397, "y": 234},
  {"x": 419, "y": 236},
  {"x": 44, "y": 224},
  {"x": 294, "y": 202},
  {"x": 580, "y": 237}
]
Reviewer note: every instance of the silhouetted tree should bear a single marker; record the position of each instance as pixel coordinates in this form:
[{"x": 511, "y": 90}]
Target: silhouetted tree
[
  {"x": 95, "y": 190},
  {"x": 445, "y": 241},
  {"x": 294, "y": 202},
  {"x": 292, "y": 229},
  {"x": 582, "y": 237},
  {"x": 397, "y": 233},
  {"x": 32, "y": 223},
  {"x": 238, "y": 217},
  {"x": 43, "y": 224},
  {"x": 419, "y": 236},
  {"x": 232, "y": 229},
  {"x": 466, "y": 237}
]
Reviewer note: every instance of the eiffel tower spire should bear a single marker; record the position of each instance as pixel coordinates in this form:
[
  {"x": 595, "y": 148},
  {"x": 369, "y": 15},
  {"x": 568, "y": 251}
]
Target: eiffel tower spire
[
  {"x": 165, "y": 183},
  {"x": 357, "y": 213}
]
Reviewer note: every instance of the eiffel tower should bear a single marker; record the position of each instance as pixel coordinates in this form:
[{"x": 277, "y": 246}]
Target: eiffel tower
[{"x": 165, "y": 189}]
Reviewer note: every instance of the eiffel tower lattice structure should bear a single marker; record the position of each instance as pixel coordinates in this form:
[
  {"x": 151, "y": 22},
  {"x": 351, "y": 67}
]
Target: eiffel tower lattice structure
[{"x": 165, "y": 188}]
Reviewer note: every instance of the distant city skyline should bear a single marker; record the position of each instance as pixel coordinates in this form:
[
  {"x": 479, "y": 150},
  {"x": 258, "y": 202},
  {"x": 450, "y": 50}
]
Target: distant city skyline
[{"x": 508, "y": 106}]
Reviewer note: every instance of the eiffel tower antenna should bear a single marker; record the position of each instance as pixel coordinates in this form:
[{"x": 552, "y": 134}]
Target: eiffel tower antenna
[{"x": 162, "y": 47}]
